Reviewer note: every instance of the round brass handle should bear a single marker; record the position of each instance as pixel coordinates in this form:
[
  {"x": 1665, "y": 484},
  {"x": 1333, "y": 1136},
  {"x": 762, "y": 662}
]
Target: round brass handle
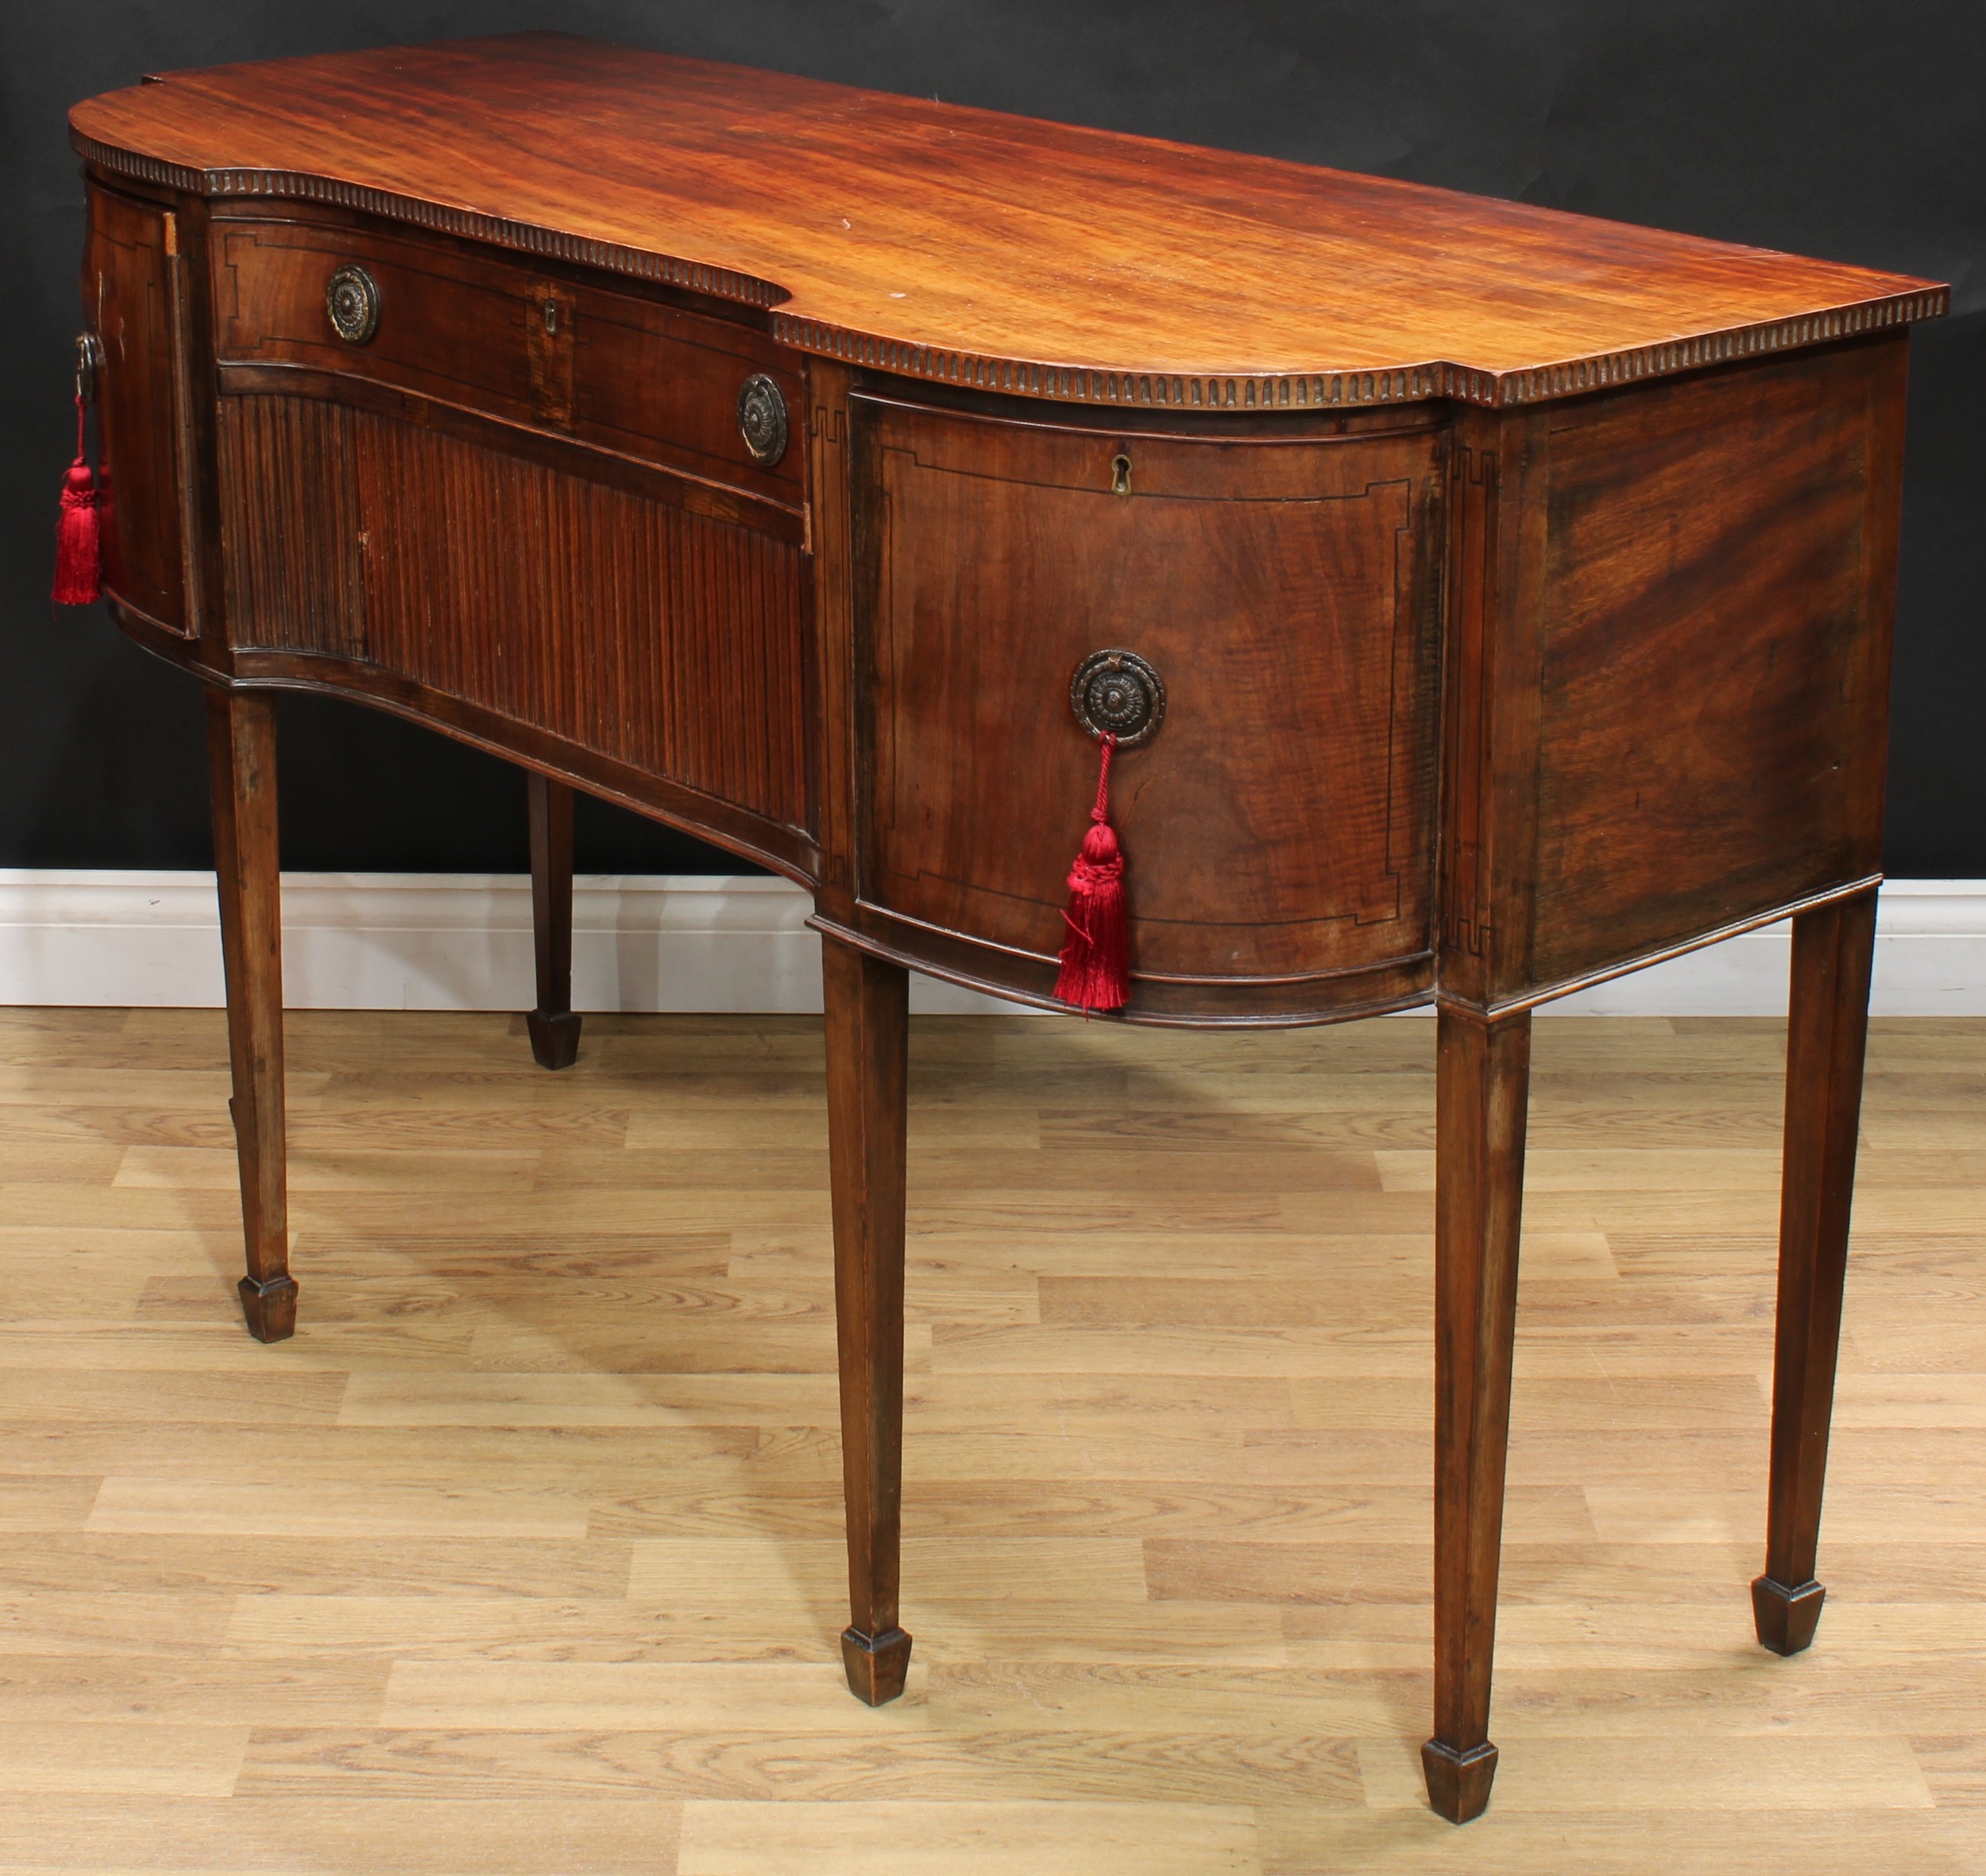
[
  {"x": 1117, "y": 693},
  {"x": 351, "y": 298},
  {"x": 761, "y": 420}
]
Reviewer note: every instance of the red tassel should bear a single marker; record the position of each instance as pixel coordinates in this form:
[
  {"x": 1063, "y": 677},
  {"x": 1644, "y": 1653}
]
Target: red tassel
[
  {"x": 79, "y": 553},
  {"x": 1096, "y": 961}
]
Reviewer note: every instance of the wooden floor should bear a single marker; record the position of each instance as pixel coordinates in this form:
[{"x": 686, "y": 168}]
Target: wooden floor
[{"x": 524, "y": 1556}]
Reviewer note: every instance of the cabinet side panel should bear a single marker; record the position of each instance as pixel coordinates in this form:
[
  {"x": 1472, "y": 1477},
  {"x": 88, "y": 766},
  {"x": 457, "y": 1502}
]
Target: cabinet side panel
[
  {"x": 1713, "y": 682},
  {"x": 662, "y": 638},
  {"x": 127, "y": 286}
]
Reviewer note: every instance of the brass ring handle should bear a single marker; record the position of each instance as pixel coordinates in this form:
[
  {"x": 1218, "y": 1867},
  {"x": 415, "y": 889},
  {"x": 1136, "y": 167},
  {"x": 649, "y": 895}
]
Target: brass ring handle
[
  {"x": 89, "y": 361},
  {"x": 761, "y": 420},
  {"x": 1117, "y": 693},
  {"x": 351, "y": 298}
]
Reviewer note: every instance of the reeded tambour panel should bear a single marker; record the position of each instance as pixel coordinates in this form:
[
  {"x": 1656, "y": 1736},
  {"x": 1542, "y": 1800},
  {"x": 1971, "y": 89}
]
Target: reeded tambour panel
[{"x": 662, "y": 637}]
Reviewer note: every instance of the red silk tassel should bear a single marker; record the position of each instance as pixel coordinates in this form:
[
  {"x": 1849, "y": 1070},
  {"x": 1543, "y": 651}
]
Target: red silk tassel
[
  {"x": 79, "y": 553},
  {"x": 1096, "y": 961}
]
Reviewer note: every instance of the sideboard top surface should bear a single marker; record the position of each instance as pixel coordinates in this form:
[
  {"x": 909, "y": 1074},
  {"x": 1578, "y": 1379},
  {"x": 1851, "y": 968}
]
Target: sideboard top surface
[{"x": 979, "y": 248}]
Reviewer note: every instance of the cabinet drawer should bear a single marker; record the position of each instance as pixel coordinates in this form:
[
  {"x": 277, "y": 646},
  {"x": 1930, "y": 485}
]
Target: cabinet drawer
[
  {"x": 1277, "y": 827},
  {"x": 129, "y": 290},
  {"x": 628, "y": 374}
]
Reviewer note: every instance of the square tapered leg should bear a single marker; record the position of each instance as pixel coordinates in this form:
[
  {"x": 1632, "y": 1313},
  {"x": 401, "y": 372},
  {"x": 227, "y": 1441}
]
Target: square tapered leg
[
  {"x": 554, "y": 1029},
  {"x": 242, "y": 772},
  {"x": 867, "y": 1004},
  {"x": 1482, "y": 1083},
  {"x": 1827, "y": 1031}
]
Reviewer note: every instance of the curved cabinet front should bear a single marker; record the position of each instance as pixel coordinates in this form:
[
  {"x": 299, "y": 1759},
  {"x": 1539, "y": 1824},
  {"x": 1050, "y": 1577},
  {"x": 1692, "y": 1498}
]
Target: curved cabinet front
[
  {"x": 1277, "y": 826},
  {"x": 626, "y": 622},
  {"x": 520, "y": 506},
  {"x": 485, "y": 332}
]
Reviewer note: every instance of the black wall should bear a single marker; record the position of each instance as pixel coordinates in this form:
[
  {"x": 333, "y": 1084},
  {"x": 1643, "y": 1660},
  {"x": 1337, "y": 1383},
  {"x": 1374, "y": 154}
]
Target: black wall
[{"x": 1854, "y": 129}]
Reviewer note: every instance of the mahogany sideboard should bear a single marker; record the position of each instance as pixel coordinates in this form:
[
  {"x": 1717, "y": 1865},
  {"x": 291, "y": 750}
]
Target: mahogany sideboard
[{"x": 1507, "y": 595}]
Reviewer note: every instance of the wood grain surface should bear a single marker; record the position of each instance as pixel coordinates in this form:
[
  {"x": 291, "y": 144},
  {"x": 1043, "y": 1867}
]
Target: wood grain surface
[
  {"x": 1713, "y": 650},
  {"x": 130, "y": 297},
  {"x": 469, "y": 329},
  {"x": 1286, "y": 589},
  {"x": 645, "y": 630},
  {"x": 525, "y": 1553},
  {"x": 936, "y": 240}
]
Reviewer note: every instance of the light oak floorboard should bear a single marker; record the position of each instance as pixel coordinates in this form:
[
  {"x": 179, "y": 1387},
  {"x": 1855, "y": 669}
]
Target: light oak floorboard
[{"x": 524, "y": 1555}]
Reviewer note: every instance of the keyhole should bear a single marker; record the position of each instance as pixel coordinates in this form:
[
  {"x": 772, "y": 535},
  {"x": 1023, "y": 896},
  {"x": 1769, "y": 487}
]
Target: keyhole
[
  {"x": 551, "y": 315},
  {"x": 1120, "y": 474}
]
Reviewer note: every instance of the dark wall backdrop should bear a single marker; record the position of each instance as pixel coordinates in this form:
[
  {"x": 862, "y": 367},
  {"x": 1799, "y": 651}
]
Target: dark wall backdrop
[{"x": 1851, "y": 129}]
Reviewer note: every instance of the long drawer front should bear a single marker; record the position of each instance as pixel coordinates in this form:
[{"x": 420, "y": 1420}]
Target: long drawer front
[
  {"x": 493, "y": 334},
  {"x": 660, "y": 636}
]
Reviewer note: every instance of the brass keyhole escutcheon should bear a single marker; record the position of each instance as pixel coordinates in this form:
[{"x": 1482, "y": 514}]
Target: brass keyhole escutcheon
[
  {"x": 1117, "y": 693},
  {"x": 551, "y": 315},
  {"x": 1120, "y": 473},
  {"x": 351, "y": 298}
]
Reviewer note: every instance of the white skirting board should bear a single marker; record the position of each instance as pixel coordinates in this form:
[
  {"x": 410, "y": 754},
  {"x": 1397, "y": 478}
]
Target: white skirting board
[{"x": 463, "y": 941}]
